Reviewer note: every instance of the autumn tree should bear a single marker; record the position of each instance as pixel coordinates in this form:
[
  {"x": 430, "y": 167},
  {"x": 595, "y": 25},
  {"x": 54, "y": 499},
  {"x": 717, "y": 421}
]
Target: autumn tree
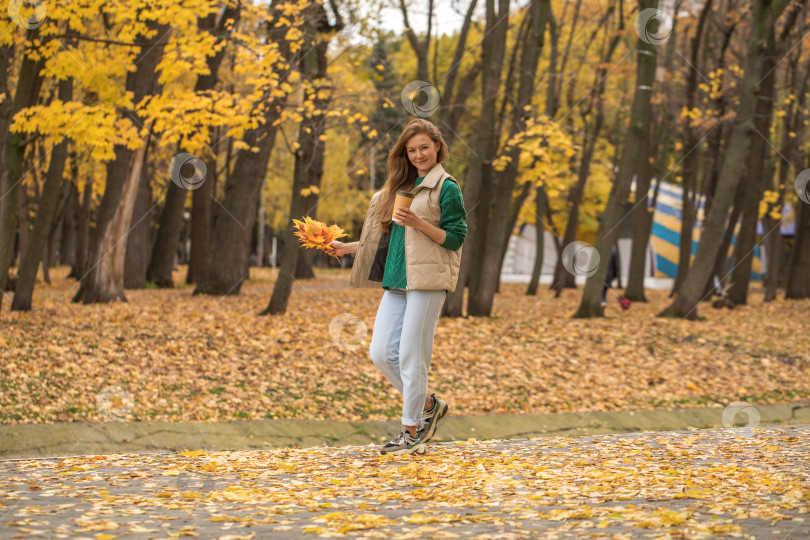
[
  {"x": 51, "y": 189},
  {"x": 503, "y": 179},
  {"x": 590, "y": 304},
  {"x": 104, "y": 279},
  {"x": 758, "y": 165},
  {"x": 310, "y": 147},
  {"x": 592, "y": 112},
  {"x": 228, "y": 257},
  {"x": 161, "y": 262},
  {"x": 694, "y": 284},
  {"x": 29, "y": 83},
  {"x": 485, "y": 146}
]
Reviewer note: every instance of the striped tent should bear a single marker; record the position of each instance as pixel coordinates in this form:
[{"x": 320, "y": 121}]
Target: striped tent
[{"x": 666, "y": 232}]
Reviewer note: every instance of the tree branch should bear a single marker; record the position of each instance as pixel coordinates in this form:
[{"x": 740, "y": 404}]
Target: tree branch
[{"x": 111, "y": 41}]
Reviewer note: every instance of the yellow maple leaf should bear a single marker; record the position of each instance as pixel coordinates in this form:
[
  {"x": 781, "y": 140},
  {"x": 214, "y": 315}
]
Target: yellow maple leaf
[{"x": 314, "y": 234}]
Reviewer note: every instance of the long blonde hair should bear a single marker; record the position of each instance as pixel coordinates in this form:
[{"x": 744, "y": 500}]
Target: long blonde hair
[{"x": 401, "y": 172}]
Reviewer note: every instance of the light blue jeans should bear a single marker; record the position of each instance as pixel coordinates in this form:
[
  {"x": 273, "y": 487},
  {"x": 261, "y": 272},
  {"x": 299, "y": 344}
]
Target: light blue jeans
[{"x": 402, "y": 344}]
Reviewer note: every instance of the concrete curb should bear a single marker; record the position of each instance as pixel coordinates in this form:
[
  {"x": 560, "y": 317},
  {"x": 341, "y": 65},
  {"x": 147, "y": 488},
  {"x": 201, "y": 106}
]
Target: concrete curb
[{"x": 56, "y": 440}]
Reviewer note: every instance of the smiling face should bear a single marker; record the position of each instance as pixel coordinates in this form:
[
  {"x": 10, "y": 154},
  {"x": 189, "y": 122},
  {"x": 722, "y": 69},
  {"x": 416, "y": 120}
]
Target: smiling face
[{"x": 421, "y": 151}]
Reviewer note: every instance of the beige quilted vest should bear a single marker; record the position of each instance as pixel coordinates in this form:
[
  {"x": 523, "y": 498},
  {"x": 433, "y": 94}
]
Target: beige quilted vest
[{"x": 429, "y": 266}]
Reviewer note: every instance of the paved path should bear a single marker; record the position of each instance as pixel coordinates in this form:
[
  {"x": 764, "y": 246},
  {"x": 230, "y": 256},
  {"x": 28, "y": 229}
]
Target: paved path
[
  {"x": 692, "y": 484},
  {"x": 72, "y": 438}
]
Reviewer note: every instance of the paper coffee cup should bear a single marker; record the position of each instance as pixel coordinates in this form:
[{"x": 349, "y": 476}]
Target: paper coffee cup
[{"x": 403, "y": 198}]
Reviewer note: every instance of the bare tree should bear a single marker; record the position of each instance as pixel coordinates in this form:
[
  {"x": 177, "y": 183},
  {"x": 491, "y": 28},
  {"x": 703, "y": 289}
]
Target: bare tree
[
  {"x": 590, "y": 305},
  {"x": 503, "y": 182},
  {"x": 694, "y": 284},
  {"x": 758, "y": 165},
  {"x": 29, "y": 83},
  {"x": 420, "y": 48},
  {"x": 594, "y": 106},
  {"x": 485, "y": 141}
]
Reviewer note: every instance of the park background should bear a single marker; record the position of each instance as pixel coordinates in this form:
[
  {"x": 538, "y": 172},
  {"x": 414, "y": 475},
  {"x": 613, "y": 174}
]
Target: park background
[
  {"x": 172, "y": 363},
  {"x": 154, "y": 156}
]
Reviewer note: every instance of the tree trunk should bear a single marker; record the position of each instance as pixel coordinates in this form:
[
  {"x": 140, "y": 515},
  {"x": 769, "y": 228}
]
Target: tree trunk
[
  {"x": 606, "y": 236},
  {"x": 228, "y": 256},
  {"x": 759, "y": 174},
  {"x": 692, "y": 289},
  {"x": 481, "y": 299},
  {"x": 201, "y": 216},
  {"x": 139, "y": 244},
  {"x": 313, "y": 175},
  {"x": 689, "y": 210},
  {"x": 721, "y": 268},
  {"x": 309, "y": 156},
  {"x": 50, "y": 253},
  {"x": 711, "y": 169},
  {"x": 540, "y": 195},
  {"x": 455, "y": 98},
  {"x": 201, "y": 220},
  {"x": 164, "y": 252},
  {"x": 23, "y": 221},
  {"x": 6, "y": 221},
  {"x": 104, "y": 280},
  {"x": 419, "y": 49},
  {"x": 484, "y": 143},
  {"x": 29, "y": 82},
  {"x": 562, "y": 278},
  {"x": 303, "y": 268},
  {"x": 798, "y": 274},
  {"x": 794, "y": 122},
  {"x": 30, "y": 258},
  {"x": 642, "y": 216},
  {"x": 83, "y": 231},
  {"x": 67, "y": 243},
  {"x": 690, "y": 156},
  {"x": 759, "y": 159},
  {"x": 479, "y": 241},
  {"x": 511, "y": 221},
  {"x": 227, "y": 262}
]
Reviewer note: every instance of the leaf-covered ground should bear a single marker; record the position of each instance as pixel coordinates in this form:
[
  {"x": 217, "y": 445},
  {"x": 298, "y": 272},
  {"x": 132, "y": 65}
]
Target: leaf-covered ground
[
  {"x": 168, "y": 355},
  {"x": 740, "y": 482}
]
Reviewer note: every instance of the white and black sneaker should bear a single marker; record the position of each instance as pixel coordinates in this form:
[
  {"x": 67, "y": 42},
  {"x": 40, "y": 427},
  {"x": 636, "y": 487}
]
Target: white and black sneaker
[
  {"x": 404, "y": 443},
  {"x": 432, "y": 418}
]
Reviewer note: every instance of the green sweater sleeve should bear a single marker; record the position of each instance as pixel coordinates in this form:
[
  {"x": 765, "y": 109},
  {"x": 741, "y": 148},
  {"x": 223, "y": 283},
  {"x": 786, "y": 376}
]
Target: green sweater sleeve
[{"x": 454, "y": 216}]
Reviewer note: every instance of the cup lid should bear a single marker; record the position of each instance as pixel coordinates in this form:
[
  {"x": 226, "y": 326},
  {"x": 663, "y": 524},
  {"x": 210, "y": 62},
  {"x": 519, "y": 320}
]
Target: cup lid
[{"x": 405, "y": 193}]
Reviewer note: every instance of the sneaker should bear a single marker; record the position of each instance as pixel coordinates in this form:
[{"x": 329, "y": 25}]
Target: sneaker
[
  {"x": 404, "y": 443},
  {"x": 432, "y": 419}
]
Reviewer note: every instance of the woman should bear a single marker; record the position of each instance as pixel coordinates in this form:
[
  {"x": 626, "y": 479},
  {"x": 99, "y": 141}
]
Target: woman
[{"x": 416, "y": 260}]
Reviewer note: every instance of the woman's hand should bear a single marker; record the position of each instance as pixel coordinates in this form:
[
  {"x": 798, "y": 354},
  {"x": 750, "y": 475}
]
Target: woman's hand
[
  {"x": 406, "y": 216},
  {"x": 341, "y": 248}
]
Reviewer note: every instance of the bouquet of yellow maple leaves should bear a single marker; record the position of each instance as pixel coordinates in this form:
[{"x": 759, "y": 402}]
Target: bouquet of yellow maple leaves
[{"x": 314, "y": 234}]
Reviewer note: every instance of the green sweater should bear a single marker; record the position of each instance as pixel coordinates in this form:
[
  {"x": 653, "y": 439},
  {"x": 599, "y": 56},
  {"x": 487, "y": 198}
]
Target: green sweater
[{"x": 452, "y": 221}]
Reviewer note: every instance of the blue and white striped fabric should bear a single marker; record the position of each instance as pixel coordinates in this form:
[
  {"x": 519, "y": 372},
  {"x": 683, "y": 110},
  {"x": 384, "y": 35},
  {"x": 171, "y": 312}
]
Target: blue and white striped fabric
[{"x": 666, "y": 232}]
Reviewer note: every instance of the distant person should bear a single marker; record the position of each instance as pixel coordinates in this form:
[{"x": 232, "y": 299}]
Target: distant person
[{"x": 416, "y": 260}]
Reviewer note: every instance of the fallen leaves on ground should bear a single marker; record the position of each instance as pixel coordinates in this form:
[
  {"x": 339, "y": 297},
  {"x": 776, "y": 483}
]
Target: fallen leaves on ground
[
  {"x": 698, "y": 484},
  {"x": 168, "y": 355}
]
